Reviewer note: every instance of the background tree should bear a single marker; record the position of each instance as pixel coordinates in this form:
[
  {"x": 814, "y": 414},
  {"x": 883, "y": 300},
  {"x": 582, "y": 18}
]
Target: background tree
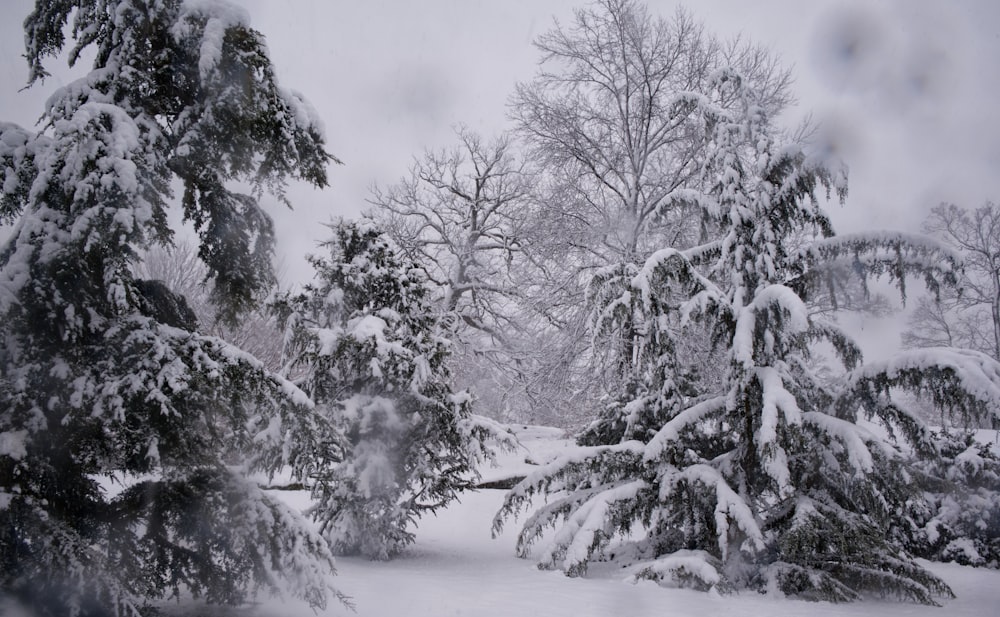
[
  {"x": 461, "y": 214},
  {"x": 968, "y": 316},
  {"x": 373, "y": 350},
  {"x": 608, "y": 120},
  {"x": 178, "y": 267},
  {"x": 957, "y": 517},
  {"x": 120, "y": 429},
  {"x": 763, "y": 479}
]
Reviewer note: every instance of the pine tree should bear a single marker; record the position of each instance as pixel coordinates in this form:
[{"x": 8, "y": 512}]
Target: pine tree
[
  {"x": 372, "y": 350},
  {"x": 607, "y": 124},
  {"x": 124, "y": 436},
  {"x": 762, "y": 479},
  {"x": 956, "y": 514}
]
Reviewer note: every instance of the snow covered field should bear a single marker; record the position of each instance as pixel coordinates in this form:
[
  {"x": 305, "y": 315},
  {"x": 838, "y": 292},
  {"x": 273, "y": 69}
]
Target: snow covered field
[{"x": 456, "y": 568}]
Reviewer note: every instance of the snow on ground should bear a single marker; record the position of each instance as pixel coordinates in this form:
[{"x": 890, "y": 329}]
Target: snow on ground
[
  {"x": 456, "y": 569},
  {"x": 539, "y": 445}
]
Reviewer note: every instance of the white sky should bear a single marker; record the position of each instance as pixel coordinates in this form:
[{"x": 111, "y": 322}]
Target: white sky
[{"x": 911, "y": 106}]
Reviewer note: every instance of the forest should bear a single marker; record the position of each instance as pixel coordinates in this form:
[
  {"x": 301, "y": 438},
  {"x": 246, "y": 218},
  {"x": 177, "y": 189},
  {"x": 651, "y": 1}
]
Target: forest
[{"x": 639, "y": 285}]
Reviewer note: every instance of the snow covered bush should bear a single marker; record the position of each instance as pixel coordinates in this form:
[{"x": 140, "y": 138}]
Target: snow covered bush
[
  {"x": 371, "y": 348},
  {"x": 124, "y": 435},
  {"x": 762, "y": 478},
  {"x": 956, "y": 516}
]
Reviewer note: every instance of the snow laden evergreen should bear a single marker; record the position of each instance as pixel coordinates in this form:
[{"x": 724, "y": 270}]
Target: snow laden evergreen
[
  {"x": 762, "y": 477},
  {"x": 371, "y": 350},
  {"x": 957, "y": 515},
  {"x": 958, "y": 518},
  {"x": 124, "y": 435}
]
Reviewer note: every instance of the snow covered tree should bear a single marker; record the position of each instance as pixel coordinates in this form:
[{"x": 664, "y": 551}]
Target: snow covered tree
[
  {"x": 182, "y": 272},
  {"x": 124, "y": 435},
  {"x": 608, "y": 122},
  {"x": 372, "y": 349},
  {"x": 957, "y": 517},
  {"x": 765, "y": 478},
  {"x": 967, "y": 316},
  {"x": 460, "y": 214}
]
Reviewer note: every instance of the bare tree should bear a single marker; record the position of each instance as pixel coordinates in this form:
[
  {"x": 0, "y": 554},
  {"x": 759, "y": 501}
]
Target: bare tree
[
  {"x": 616, "y": 121},
  {"x": 968, "y": 316},
  {"x": 611, "y": 118},
  {"x": 179, "y": 268},
  {"x": 614, "y": 127},
  {"x": 460, "y": 213}
]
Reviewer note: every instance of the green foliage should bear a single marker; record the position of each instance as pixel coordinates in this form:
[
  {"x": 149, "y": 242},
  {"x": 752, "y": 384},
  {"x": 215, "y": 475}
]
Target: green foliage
[
  {"x": 955, "y": 515},
  {"x": 372, "y": 352},
  {"x": 102, "y": 380},
  {"x": 208, "y": 111},
  {"x": 761, "y": 478}
]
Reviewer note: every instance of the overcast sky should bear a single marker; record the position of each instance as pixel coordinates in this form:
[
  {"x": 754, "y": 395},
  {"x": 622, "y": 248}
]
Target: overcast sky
[{"x": 907, "y": 89}]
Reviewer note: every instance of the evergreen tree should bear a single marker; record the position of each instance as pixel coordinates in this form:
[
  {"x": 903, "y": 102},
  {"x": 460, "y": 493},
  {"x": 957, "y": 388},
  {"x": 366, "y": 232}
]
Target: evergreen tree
[
  {"x": 956, "y": 515},
  {"x": 124, "y": 435},
  {"x": 372, "y": 350},
  {"x": 608, "y": 124},
  {"x": 762, "y": 479},
  {"x": 461, "y": 214}
]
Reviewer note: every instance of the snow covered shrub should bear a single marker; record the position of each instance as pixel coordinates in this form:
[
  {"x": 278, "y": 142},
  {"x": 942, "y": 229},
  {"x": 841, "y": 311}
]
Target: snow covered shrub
[
  {"x": 762, "y": 479},
  {"x": 102, "y": 382},
  {"x": 372, "y": 349},
  {"x": 956, "y": 516}
]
